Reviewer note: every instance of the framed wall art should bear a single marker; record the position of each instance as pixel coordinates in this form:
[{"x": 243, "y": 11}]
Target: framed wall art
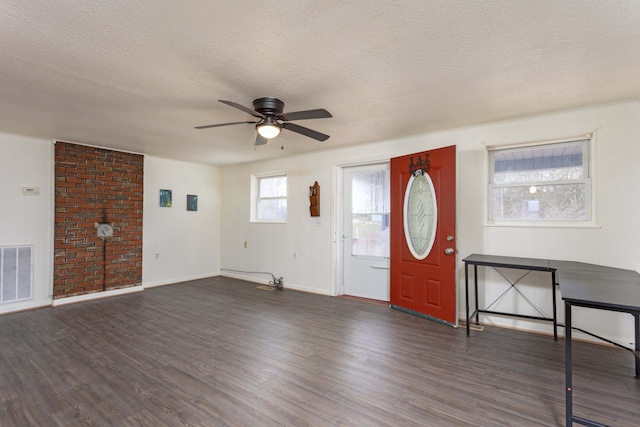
[
  {"x": 192, "y": 202},
  {"x": 165, "y": 198}
]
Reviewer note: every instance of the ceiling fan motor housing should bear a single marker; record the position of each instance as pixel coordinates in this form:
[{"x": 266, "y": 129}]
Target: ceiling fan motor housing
[{"x": 268, "y": 106}]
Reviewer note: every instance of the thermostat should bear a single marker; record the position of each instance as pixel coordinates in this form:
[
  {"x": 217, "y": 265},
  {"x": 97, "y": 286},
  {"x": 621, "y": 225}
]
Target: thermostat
[{"x": 31, "y": 191}]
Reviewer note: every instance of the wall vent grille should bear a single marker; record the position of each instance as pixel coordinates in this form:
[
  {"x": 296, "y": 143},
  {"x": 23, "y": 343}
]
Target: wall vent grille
[{"x": 16, "y": 273}]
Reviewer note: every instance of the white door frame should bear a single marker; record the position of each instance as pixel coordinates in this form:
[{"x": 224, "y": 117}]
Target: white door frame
[{"x": 337, "y": 225}]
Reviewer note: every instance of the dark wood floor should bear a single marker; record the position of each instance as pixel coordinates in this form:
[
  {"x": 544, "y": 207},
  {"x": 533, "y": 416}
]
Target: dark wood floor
[{"x": 219, "y": 352}]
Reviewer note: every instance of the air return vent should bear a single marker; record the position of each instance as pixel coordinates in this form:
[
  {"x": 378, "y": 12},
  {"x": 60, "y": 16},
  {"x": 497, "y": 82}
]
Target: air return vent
[{"x": 16, "y": 273}]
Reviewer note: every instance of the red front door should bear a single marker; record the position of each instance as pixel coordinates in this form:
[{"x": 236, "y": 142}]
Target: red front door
[{"x": 426, "y": 286}]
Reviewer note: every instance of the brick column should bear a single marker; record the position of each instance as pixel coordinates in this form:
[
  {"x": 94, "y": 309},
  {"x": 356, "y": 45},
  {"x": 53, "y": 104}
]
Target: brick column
[{"x": 95, "y": 185}]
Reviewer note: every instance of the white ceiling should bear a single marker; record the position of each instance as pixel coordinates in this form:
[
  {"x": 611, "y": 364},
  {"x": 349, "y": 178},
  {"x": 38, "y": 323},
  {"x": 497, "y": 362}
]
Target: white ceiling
[{"x": 139, "y": 75}]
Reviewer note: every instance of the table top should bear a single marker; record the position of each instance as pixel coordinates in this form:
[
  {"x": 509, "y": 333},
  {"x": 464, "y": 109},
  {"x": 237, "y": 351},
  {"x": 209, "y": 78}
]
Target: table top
[
  {"x": 583, "y": 266},
  {"x": 583, "y": 284},
  {"x": 610, "y": 290},
  {"x": 508, "y": 262}
]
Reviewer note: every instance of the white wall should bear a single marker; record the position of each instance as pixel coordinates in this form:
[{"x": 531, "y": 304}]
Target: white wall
[
  {"x": 187, "y": 243},
  {"x": 28, "y": 220},
  {"x": 270, "y": 247},
  {"x": 198, "y": 244},
  {"x": 616, "y": 242}
]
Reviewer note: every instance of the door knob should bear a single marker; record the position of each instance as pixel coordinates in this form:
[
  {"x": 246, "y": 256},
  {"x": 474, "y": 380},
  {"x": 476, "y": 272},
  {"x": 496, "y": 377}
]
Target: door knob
[{"x": 449, "y": 251}]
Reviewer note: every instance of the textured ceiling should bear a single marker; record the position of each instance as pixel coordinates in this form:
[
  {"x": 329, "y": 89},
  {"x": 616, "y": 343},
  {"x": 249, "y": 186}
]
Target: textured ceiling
[{"x": 139, "y": 75}]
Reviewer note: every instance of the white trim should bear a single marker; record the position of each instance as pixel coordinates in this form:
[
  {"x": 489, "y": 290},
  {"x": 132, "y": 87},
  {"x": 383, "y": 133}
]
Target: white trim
[
  {"x": 52, "y": 222},
  {"x": 25, "y": 308},
  {"x": 542, "y": 224},
  {"x": 290, "y": 286},
  {"x": 300, "y": 288},
  {"x": 593, "y": 176},
  {"x": 337, "y": 224},
  {"x": 269, "y": 221},
  {"x": 247, "y": 277},
  {"x": 96, "y": 295},
  {"x": 175, "y": 281},
  {"x": 336, "y": 286},
  {"x": 536, "y": 142}
]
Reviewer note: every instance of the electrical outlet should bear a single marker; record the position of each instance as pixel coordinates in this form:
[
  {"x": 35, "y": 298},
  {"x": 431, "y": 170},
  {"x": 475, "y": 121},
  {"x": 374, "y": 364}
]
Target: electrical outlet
[
  {"x": 245, "y": 244},
  {"x": 157, "y": 255},
  {"x": 318, "y": 222},
  {"x": 295, "y": 255}
]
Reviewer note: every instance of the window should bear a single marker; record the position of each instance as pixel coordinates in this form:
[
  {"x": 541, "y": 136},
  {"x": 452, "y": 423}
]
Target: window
[
  {"x": 370, "y": 213},
  {"x": 270, "y": 198},
  {"x": 540, "y": 183}
]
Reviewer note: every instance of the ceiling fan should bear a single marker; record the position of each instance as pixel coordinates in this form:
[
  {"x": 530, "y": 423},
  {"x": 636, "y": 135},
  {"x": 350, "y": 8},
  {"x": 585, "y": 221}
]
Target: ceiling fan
[{"x": 271, "y": 119}]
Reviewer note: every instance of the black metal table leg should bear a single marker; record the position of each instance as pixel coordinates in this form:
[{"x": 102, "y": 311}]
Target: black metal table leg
[
  {"x": 568, "y": 369},
  {"x": 567, "y": 364},
  {"x": 555, "y": 310},
  {"x": 466, "y": 290},
  {"x": 637, "y": 352},
  {"x": 475, "y": 281}
]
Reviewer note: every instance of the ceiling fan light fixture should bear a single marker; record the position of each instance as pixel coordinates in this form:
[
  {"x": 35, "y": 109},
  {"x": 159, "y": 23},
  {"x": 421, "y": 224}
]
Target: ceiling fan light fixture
[{"x": 269, "y": 128}]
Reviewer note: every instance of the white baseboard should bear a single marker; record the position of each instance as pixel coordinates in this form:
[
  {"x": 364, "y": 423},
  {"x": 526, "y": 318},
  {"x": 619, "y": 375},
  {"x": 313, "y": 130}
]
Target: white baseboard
[
  {"x": 301, "y": 288},
  {"x": 14, "y": 309},
  {"x": 266, "y": 280},
  {"x": 247, "y": 278},
  {"x": 178, "y": 280},
  {"x": 96, "y": 295}
]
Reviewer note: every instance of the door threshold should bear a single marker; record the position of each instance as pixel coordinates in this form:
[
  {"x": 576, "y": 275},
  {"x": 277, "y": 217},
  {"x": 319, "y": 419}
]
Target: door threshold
[{"x": 367, "y": 300}]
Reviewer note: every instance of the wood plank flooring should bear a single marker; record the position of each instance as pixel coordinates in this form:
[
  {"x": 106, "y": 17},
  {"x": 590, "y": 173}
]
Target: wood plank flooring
[{"x": 221, "y": 352}]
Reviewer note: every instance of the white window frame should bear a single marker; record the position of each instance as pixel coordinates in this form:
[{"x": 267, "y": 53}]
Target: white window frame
[
  {"x": 590, "y": 185},
  {"x": 255, "y": 196}
]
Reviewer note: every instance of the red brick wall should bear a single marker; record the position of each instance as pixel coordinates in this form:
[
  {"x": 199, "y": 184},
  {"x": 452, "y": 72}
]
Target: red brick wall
[{"x": 93, "y": 184}]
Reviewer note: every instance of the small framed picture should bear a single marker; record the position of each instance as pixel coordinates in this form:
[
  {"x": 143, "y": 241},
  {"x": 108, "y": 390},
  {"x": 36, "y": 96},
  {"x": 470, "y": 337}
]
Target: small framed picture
[
  {"x": 165, "y": 198},
  {"x": 192, "y": 202}
]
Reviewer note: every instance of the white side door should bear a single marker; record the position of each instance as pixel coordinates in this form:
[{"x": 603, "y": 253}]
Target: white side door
[{"x": 366, "y": 231}]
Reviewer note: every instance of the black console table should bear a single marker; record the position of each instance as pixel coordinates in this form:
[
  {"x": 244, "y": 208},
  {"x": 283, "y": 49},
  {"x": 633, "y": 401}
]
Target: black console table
[
  {"x": 528, "y": 264},
  {"x": 581, "y": 285},
  {"x": 601, "y": 288}
]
